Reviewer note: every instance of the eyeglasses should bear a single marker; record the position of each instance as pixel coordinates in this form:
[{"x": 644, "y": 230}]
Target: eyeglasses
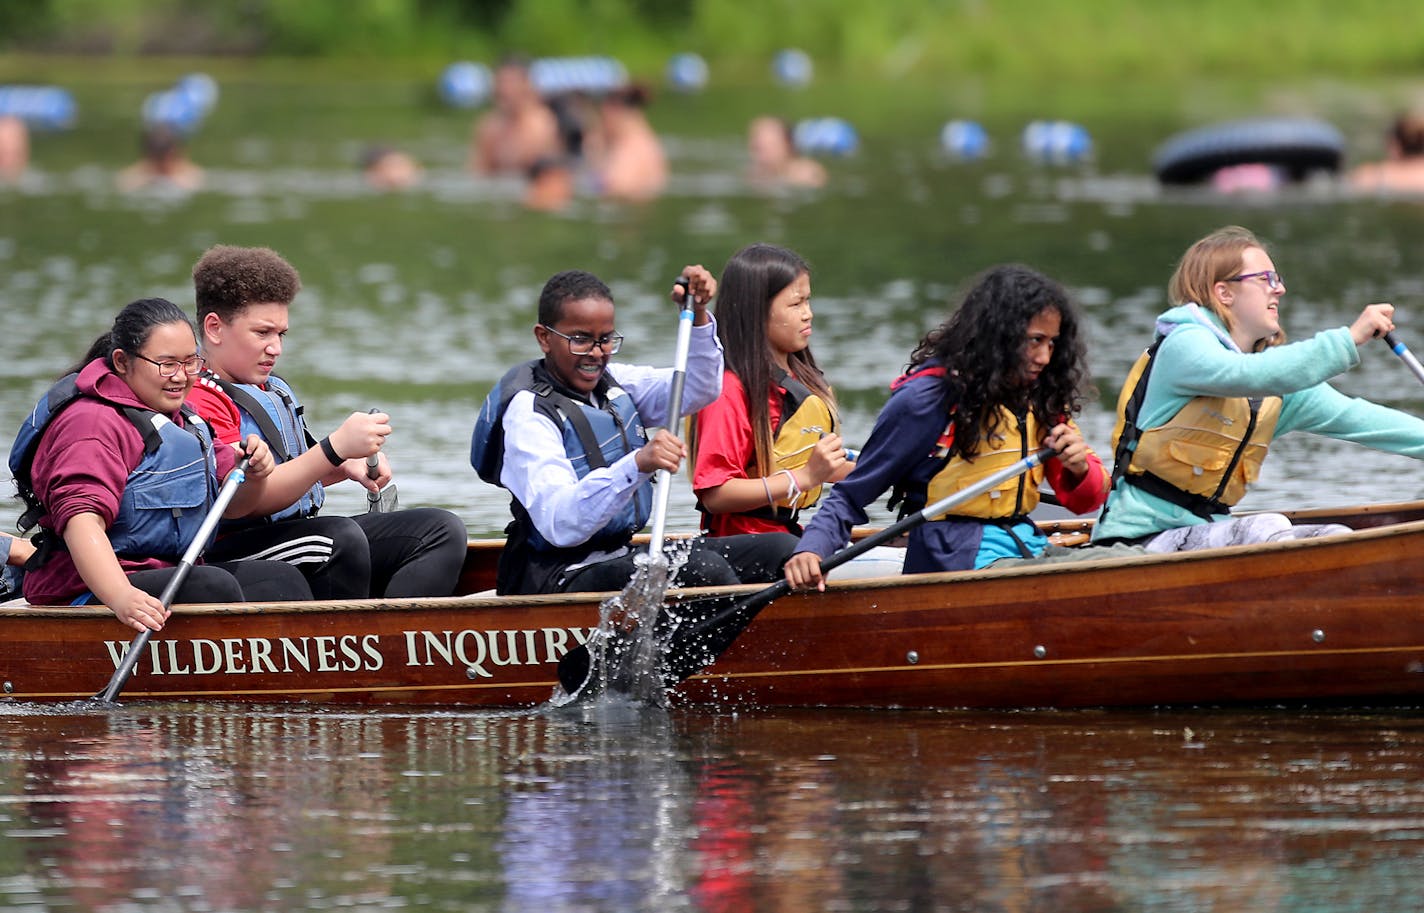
[
  {"x": 1273, "y": 279},
  {"x": 582, "y": 343},
  {"x": 191, "y": 367}
]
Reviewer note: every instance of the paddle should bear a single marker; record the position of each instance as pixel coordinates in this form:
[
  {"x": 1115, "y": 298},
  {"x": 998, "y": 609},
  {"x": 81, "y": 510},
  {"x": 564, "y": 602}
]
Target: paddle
[
  {"x": 642, "y": 597},
  {"x": 384, "y": 500},
  {"x": 1405, "y": 355},
  {"x": 693, "y": 643},
  {"x": 628, "y": 622},
  {"x": 679, "y": 376},
  {"x": 180, "y": 574}
]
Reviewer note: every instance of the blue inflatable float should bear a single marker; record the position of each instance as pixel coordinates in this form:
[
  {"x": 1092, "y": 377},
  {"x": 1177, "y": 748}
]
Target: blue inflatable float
[
  {"x": 464, "y": 84},
  {"x": 687, "y": 73},
  {"x": 40, "y": 107},
  {"x": 1056, "y": 142},
  {"x": 1296, "y": 145},
  {"x": 964, "y": 140},
  {"x": 825, "y": 136},
  {"x": 792, "y": 67},
  {"x": 594, "y": 75},
  {"x": 201, "y": 90},
  {"x": 172, "y": 109}
]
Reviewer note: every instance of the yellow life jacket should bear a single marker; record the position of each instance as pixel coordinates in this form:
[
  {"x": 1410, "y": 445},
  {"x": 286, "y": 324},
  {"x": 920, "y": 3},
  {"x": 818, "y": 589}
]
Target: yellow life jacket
[
  {"x": 805, "y": 419},
  {"x": 1204, "y": 457},
  {"x": 1010, "y": 442}
]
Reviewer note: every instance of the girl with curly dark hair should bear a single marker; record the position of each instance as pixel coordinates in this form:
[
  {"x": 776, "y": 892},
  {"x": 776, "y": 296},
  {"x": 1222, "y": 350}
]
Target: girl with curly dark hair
[{"x": 1002, "y": 377}]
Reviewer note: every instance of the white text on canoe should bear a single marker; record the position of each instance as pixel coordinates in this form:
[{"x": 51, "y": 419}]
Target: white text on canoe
[{"x": 475, "y": 651}]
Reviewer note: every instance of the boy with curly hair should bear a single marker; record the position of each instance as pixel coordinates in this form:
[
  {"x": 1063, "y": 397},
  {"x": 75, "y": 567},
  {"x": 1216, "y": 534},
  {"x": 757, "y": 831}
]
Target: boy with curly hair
[{"x": 244, "y": 295}]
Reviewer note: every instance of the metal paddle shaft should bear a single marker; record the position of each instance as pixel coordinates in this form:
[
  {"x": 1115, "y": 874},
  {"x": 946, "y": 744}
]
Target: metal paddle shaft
[
  {"x": 1405, "y": 355},
  {"x": 674, "y": 413},
  {"x": 180, "y": 574},
  {"x": 373, "y": 498},
  {"x": 382, "y": 501},
  {"x": 697, "y": 638}
]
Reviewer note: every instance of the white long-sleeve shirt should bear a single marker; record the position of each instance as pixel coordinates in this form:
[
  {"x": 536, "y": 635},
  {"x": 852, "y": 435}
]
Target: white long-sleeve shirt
[{"x": 568, "y": 510}]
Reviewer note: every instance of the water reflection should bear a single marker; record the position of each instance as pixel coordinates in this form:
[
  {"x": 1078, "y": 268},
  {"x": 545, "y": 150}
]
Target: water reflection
[
  {"x": 613, "y": 809},
  {"x": 597, "y": 814}
]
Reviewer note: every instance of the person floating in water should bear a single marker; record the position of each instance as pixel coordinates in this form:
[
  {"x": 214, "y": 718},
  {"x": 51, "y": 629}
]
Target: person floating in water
[
  {"x": 774, "y": 162},
  {"x": 388, "y": 168},
  {"x": 1403, "y": 170},
  {"x": 632, "y": 165},
  {"x": 14, "y": 148},
  {"x": 165, "y": 164},
  {"x": 520, "y": 130}
]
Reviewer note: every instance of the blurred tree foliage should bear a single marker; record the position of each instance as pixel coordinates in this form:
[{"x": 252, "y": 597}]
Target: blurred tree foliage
[{"x": 1030, "y": 39}]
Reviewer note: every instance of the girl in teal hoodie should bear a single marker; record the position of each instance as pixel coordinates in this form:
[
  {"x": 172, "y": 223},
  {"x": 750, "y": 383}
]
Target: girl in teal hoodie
[{"x": 1203, "y": 404}]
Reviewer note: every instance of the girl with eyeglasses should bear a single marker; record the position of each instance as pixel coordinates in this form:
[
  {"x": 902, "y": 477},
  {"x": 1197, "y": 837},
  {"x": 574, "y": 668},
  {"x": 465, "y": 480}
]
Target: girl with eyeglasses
[
  {"x": 762, "y": 452},
  {"x": 123, "y": 476},
  {"x": 1203, "y": 403}
]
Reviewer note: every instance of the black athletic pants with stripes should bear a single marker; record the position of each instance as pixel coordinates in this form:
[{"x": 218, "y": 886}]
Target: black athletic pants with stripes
[
  {"x": 415, "y": 552},
  {"x": 228, "y": 581}
]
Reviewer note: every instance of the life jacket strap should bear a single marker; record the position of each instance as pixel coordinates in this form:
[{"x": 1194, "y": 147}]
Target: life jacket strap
[{"x": 1199, "y": 505}]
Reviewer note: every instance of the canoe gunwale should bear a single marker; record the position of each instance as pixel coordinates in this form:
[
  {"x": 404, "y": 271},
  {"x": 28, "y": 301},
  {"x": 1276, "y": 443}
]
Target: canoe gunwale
[{"x": 1085, "y": 566}]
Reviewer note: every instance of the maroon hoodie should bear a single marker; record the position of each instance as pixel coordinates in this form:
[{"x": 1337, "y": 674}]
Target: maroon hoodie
[{"x": 81, "y": 466}]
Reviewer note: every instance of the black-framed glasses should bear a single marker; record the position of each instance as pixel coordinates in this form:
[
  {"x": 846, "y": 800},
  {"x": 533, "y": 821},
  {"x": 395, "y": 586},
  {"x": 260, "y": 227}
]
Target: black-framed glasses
[
  {"x": 1273, "y": 279},
  {"x": 582, "y": 343},
  {"x": 191, "y": 367}
]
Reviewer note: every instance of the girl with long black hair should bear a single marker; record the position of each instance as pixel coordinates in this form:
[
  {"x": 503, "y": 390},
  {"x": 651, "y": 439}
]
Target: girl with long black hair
[{"x": 763, "y": 450}]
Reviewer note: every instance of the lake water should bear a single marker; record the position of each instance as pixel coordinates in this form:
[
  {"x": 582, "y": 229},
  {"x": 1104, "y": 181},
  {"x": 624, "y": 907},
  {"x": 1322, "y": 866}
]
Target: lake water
[
  {"x": 232, "y": 808},
  {"x": 416, "y": 302}
]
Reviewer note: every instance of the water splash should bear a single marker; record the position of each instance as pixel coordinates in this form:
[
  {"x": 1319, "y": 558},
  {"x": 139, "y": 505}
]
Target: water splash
[{"x": 627, "y": 649}]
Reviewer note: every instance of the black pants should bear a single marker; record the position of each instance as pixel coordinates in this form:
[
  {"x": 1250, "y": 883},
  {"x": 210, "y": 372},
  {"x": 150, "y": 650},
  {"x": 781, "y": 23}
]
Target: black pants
[
  {"x": 229, "y": 581},
  {"x": 750, "y": 558},
  {"x": 417, "y": 552}
]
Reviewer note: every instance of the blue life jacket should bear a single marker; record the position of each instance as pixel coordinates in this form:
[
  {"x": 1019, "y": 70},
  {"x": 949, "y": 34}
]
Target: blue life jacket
[
  {"x": 27, "y": 440},
  {"x": 166, "y": 495},
  {"x": 594, "y": 437},
  {"x": 275, "y": 416}
]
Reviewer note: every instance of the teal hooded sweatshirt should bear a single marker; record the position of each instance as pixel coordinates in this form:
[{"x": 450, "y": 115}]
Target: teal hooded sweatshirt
[{"x": 1199, "y": 358}]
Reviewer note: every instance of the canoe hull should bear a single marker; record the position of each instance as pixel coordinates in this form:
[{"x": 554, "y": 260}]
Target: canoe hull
[
  {"x": 1308, "y": 622},
  {"x": 1328, "y": 619}
]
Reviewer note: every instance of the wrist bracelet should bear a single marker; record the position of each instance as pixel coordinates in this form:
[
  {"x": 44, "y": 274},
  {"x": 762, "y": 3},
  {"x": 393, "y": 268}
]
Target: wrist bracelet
[
  {"x": 330, "y": 451},
  {"x": 793, "y": 491},
  {"x": 770, "y": 501}
]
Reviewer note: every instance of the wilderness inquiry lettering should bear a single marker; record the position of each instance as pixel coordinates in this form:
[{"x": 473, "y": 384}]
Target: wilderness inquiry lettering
[{"x": 475, "y": 651}]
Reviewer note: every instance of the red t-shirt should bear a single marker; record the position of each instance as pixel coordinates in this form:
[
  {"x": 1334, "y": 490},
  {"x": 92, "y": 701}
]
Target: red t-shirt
[
  {"x": 726, "y": 449},
  {"x": 217, "y": 409}
]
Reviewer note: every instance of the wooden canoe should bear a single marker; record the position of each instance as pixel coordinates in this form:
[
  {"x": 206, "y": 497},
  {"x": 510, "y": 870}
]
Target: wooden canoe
[{"x": 1334, "y": 618}]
